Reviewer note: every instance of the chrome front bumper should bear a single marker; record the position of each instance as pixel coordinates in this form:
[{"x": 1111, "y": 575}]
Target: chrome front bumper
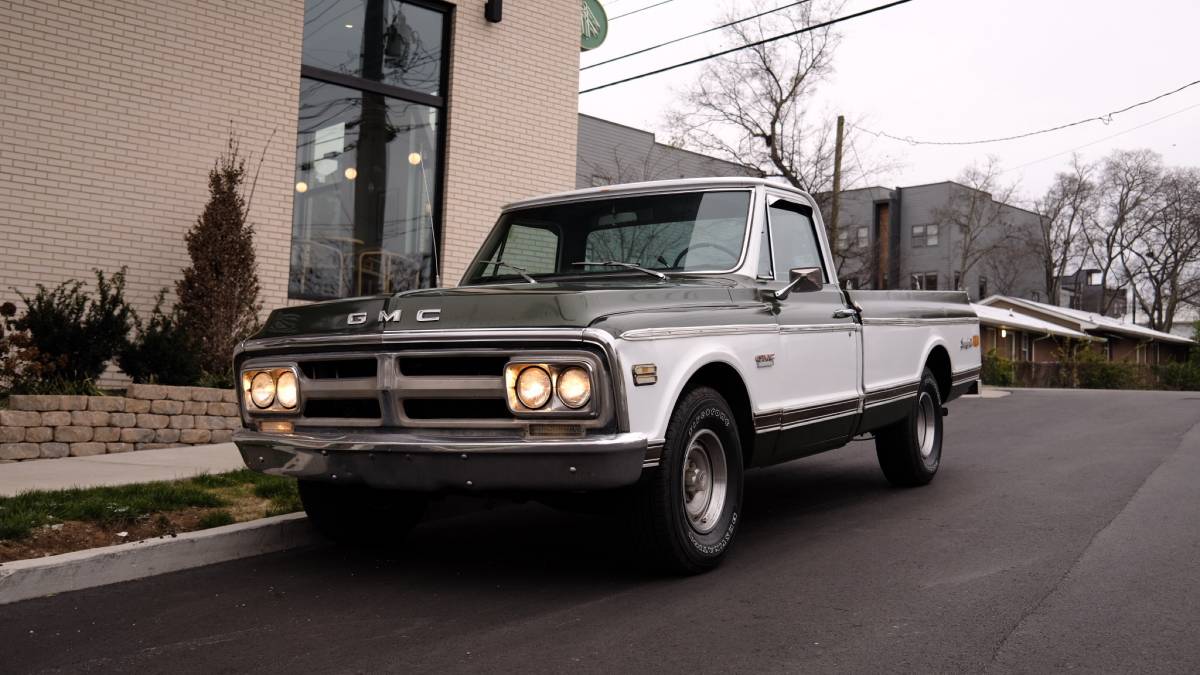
[{"x": 412, "y": 460}]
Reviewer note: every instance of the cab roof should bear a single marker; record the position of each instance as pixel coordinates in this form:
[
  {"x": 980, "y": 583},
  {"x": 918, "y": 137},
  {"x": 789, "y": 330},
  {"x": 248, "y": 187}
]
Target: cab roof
[{"x": 656, "y": 186}]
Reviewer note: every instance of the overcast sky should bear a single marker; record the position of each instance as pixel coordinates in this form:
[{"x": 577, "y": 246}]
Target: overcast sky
[{"x": 955, "y": 70}]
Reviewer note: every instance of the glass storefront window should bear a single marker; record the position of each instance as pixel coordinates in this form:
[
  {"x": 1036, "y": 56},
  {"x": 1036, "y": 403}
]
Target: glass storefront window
[
  {"x": 362, "y": 219},
  {"x": 396, "y": 43}
]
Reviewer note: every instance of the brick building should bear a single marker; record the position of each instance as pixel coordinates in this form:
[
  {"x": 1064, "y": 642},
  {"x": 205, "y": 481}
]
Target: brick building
[{"x": 385, "y": 134}]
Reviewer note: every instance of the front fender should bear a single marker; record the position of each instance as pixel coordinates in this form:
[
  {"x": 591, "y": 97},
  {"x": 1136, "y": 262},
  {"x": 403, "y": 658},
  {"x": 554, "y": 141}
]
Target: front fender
[{"x": 678, "y": 360}]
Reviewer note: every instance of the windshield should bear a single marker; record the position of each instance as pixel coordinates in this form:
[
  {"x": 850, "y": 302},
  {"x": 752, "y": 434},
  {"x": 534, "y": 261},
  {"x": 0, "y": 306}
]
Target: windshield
[{"x": 683, "y": 232}]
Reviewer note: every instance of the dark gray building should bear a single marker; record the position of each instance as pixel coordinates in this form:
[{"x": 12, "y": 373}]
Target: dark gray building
[
  {"x": 1084, "y": 291},
  {"x": 610, "y": 153},
  {"x": 941, "y": 236}
]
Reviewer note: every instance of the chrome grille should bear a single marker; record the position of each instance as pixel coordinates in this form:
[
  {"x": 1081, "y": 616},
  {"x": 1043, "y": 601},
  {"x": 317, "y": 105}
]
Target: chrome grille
[{"x": 448, "y": 388}]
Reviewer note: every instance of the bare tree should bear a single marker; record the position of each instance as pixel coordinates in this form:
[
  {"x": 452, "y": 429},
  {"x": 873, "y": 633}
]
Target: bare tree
[
  {"x": 1066, "y": 209},
  {"x": 752, "y": 107},
  {"x": 1128, "y": 181},
  {"x": 1160, "y": 255},
  {"x": 976, "y": 222}
]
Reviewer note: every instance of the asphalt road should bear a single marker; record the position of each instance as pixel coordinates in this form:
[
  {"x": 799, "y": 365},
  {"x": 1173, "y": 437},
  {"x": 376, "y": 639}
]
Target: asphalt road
[{"x": 1063, "y": 532}]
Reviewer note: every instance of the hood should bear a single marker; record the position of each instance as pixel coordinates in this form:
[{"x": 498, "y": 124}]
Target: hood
[{"x": 574, "y": 304}]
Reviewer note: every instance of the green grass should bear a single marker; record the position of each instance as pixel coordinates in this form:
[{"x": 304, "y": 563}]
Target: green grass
[
  {"x": 114, "y": 506},
  {"x": 216, "y": 519}
]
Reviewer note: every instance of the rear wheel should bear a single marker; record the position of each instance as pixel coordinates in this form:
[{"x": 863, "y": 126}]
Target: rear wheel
[
  {"x": 362, "y": 515},
  {"x": 910, "y": 451},
  {"x": 686, "y": 512}
]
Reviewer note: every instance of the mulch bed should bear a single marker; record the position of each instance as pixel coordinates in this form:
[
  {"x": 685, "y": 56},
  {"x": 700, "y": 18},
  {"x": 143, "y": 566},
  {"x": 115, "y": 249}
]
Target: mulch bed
[{"x": 78, "y": 536}]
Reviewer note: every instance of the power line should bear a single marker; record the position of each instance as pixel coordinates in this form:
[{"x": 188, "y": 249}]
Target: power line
[
  {"x": 1101, "y": 140},
  {"x": 640, "y": 9},
  {"x": 1106, "y": 118},
  {"x": 748, "y": 46},
  {"x": 688, "y": 37}
]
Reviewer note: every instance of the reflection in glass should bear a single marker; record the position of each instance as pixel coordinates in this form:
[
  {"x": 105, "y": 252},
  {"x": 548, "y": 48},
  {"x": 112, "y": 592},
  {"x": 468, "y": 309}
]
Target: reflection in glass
[
  {"x": 382, "y": 40},
  {"x": 685, "y": 232},
  {"x": 362, "y": 222}
]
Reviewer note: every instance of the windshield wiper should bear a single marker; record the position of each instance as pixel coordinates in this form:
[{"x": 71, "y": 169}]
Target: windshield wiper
[
  {"x": 519, "y": 270},
  {"x": 628, "y": 266}
]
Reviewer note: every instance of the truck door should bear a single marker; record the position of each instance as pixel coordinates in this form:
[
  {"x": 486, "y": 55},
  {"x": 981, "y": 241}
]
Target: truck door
[{"x": 817, "y": 370}]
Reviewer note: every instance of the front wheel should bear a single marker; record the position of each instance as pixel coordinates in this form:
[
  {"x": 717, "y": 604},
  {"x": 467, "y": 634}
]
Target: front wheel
[
  {"x": 686, "y": 512},
  {"x": 361, "y": 515},
  {"x": 910, "y": 450}
]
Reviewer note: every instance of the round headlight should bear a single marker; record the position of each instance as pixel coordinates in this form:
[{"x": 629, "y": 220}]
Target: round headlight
[
  {"x": 574, "y": 387},
  {"x": 262, "y": 390},
  {"x": 287, "y": 391},
  {"x": 533, "y": 387}
]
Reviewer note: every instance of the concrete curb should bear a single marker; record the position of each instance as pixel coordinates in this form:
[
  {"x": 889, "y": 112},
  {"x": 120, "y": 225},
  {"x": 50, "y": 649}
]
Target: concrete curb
[{"x": 26, "y": 579}]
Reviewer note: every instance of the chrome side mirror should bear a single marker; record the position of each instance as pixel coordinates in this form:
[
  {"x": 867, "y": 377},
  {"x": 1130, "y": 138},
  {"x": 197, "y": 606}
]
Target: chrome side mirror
[{"x": 803, "y": 280}]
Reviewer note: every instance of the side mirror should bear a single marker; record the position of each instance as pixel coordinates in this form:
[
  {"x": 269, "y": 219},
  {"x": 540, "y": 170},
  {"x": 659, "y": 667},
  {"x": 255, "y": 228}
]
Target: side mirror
[{"x": 803, "y": 280}]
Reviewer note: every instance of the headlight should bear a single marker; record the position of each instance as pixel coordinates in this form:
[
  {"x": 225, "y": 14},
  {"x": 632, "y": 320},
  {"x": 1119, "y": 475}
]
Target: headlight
[
  {"x": 262, "y": 390},
  {"x": 574, "y": 387},
  {"x": 286, "y": 390},
  {"x": 533, "y": 387}
]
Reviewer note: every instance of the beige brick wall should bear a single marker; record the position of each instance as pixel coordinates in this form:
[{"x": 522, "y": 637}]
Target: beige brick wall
[
  {"x": 113, "y": 112},
  {"x": 513, "y": 116}
]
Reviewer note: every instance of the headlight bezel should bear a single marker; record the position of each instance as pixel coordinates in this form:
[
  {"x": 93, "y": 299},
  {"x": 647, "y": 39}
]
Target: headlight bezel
[
  {"x": 555, "y": 407},
  {"x": 274, "y": 371}
]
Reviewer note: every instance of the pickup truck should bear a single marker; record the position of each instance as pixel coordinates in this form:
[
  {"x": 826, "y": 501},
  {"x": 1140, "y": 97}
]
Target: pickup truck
[{"x": 643, "y": 345}]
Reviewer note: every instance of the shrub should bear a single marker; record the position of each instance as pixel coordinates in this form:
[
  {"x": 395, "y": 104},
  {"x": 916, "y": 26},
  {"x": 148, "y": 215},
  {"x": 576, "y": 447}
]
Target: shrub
[
  {"x": 1182, "y": 376},
  {"x": 71, "y": 335},
  {"x": 218, "y": 294},
  {"x": 1094, "y": 371},
  {"x": 997, "y": 370},
  {"x": 161, "y": 353},
  {"x": 21, "y": 367}
]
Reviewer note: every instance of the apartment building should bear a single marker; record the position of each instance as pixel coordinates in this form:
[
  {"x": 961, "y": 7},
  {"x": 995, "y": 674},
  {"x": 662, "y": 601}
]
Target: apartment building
[{"x": 910, "y": 238}]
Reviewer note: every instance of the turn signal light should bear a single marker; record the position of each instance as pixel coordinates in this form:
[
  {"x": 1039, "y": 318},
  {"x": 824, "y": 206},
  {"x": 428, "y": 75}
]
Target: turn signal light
[{"x": 276, "y": 427}]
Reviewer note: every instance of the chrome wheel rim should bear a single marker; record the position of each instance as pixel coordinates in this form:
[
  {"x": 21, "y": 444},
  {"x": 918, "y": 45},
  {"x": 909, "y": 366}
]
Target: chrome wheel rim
[
  {"x": 705, "y": 481},
  {"x": 926, "y": 424}
]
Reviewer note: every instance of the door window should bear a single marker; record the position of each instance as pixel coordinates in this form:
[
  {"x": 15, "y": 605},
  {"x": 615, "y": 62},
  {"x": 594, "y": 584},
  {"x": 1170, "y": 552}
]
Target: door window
[{"x": 793, "y": 238}]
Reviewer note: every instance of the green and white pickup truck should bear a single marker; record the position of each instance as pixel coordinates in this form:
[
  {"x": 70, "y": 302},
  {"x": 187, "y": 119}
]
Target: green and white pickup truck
[{"x": 639, "y": 345}]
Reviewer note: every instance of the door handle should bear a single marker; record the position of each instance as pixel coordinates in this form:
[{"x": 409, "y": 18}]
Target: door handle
[{"x": 845, "y": 313}]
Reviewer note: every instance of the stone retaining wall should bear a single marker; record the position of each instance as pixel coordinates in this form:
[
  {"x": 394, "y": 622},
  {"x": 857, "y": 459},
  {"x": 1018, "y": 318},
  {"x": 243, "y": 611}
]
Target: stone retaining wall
[{"x": 147, "y": 416}]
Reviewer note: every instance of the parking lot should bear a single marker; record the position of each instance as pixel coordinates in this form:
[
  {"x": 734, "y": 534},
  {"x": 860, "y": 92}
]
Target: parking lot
[{"x": 1062, "y": 532}]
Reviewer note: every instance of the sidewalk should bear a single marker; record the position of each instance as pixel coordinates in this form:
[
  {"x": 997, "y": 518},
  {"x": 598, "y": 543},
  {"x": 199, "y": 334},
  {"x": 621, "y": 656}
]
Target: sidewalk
[{"x": 118, "y": 469}]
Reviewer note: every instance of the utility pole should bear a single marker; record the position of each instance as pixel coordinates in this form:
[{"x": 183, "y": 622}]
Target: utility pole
[{"x": 837, "y": 183}]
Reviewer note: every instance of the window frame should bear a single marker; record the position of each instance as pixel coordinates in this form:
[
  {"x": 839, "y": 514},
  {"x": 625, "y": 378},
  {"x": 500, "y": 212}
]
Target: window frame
[
  {"x": 923, "y": 238},
  {"x": 440, "y": 102},
  {"x": 748, "y": 231},
  {"x": 807, "y": 211},
  {"x": 924, "y": 277}
]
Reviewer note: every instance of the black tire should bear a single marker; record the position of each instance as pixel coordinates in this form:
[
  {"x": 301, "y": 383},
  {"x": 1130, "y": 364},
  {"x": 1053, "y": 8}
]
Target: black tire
[
  {"x": 910, "y": 451},
  {"x": 693, "y": 537},
  {"x": 361, "y": 515}
]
